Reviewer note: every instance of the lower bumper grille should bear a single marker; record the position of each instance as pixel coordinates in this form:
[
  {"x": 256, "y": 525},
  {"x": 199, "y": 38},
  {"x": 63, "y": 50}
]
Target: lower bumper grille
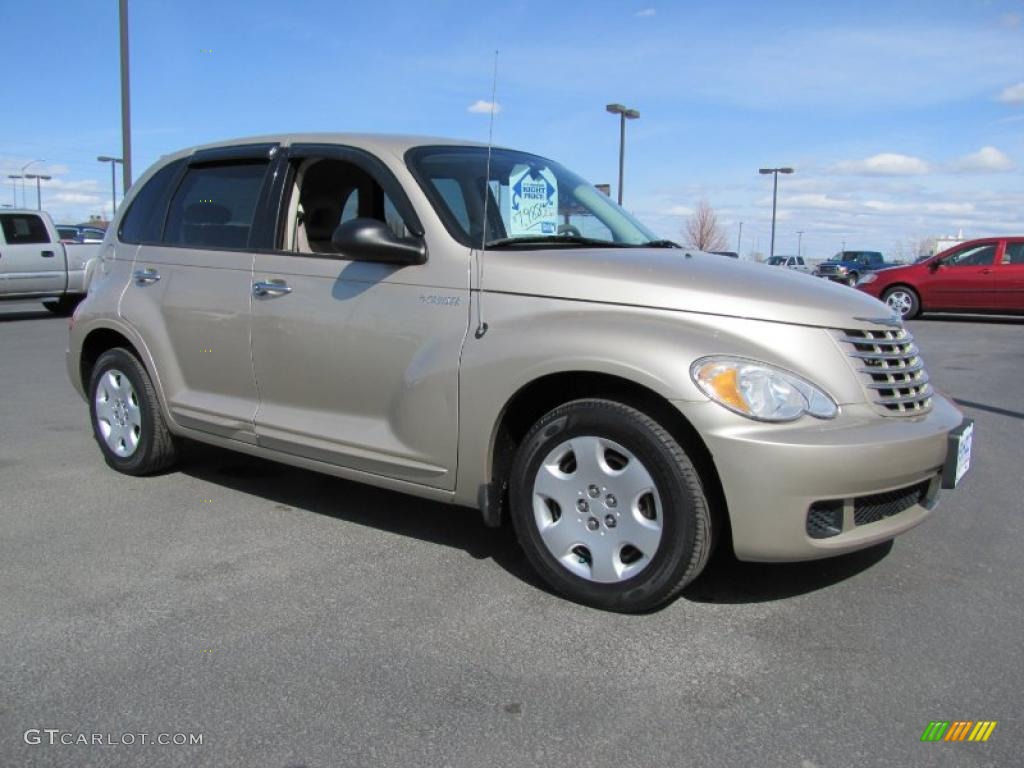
[
  {"x": 825, "y": 518},
  {"x": 871, "y": 509}
]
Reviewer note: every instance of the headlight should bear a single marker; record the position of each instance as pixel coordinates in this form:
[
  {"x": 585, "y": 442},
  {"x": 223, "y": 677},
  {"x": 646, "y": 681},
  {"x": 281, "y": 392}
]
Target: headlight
[
  {"x": 870, "y": 277},
  {"x": 760, "y": 391}
]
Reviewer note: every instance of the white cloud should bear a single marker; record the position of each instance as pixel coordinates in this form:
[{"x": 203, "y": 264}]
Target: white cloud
[
  {"x": 884, "y": 164},
  {"x": 482, "y": 107},
  {"x": 73, "y": 197},
  {"x": 1012, "y": 94},
  {"x": 679, "y": 210},
  {"x": 985, "y": 160},
  {"x": 646, "y": 12},
  {"x": 818, "y": 201}
]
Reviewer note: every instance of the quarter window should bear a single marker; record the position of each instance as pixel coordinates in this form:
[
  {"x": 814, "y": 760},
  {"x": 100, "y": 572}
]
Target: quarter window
[
  {"x": 144, "y": 220},
  {"x": 23, "y": 229},
  {"x": 214, "y": 205}
]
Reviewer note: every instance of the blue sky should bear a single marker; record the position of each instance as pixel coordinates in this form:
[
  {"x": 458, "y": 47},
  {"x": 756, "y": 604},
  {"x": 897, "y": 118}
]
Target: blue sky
[{"x": 903, "y": 119}]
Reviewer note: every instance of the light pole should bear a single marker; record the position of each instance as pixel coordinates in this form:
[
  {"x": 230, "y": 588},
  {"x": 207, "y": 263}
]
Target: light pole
[
  {"x": 24, "y": 202},
  {"x": 113, "y": 180},
  {"x": 775, "y": 194},
  {"x": 14, "y": 187},
  {"x": 39, "y": 195},
  {"x": 799, "y": 242},
  {"x": 126, "y": 112},
  {"x": 739, "y": 242},
  {"x": 624, "y": 114}
]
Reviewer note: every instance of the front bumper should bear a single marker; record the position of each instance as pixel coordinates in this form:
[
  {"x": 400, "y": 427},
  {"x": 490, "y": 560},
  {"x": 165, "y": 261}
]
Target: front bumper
[{"x": 772, "y": 474}]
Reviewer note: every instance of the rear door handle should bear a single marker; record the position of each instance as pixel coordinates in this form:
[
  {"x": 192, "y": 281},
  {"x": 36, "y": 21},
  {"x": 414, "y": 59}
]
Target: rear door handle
[
  {"x": 47, "y": 254},
  {"x": 145, "y": 276},
  {"x": 270, "y": 288}
]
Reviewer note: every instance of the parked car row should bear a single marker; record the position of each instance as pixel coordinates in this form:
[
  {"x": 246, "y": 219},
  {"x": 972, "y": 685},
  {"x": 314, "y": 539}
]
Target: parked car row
[
  {"x": 985, "y": 275},
  {"x": 74, "y": 233}
]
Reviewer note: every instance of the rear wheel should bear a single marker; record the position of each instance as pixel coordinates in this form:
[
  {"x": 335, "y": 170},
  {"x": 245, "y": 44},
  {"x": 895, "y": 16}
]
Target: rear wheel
[
  {"x": 608, "y": 507},
  {"x": 126, "y": 418},
  {"x": 904, "y": 300}
]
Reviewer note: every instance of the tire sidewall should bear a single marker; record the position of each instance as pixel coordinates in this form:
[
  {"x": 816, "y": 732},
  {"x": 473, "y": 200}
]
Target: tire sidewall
[
  {"x": 129, "y": 365},
  {"x": 675, "y": 549}
]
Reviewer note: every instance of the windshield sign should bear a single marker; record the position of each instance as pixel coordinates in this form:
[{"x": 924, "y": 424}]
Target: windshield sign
[{"x": 529, "y": 201}]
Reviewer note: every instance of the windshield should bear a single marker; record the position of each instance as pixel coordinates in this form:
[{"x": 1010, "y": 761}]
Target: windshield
[{"x": 530, "y": 201}]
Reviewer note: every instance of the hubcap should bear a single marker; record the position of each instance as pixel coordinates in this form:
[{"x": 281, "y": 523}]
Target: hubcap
[
  {"x": 118, "y": 415},
  {"x": 900, "y": 301},
  {"x": 597, "y": 509}
]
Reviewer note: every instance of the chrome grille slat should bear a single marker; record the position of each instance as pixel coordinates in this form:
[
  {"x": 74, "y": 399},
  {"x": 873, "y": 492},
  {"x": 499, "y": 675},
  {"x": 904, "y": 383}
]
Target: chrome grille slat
[{"x": 890, "y": 368}]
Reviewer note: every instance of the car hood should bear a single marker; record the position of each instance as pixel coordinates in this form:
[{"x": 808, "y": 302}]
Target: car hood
[{"x": 687, "y": 281}]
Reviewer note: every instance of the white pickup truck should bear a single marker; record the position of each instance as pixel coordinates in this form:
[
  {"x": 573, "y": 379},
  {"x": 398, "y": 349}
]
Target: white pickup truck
[{"x": 35, "y": 264}]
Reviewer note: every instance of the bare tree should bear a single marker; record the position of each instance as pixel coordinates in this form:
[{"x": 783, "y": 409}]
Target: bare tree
[{"x": 702, "y": 231}]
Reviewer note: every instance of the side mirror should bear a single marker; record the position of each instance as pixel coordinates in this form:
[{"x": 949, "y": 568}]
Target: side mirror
[
  {"x": 934, "y": 265},
  {"x": 372, "y": 240}
]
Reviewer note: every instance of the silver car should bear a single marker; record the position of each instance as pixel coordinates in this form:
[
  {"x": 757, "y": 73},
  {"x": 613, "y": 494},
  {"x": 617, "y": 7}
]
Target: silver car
[{"x": 481, "y": 326}]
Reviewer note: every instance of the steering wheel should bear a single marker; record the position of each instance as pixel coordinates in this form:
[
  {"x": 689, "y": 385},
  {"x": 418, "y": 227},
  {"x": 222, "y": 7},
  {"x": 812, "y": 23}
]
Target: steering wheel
[{"x": 569, "y": 229}]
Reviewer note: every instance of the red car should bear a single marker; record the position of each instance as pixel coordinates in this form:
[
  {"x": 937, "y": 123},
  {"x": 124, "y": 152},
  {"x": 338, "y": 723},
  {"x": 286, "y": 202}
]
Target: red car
[{"x": 984, "y": 275}]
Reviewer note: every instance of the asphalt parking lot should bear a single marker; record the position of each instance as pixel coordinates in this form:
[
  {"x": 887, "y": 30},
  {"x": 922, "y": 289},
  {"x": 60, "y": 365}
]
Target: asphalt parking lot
[{"x": 300, "y": 620}]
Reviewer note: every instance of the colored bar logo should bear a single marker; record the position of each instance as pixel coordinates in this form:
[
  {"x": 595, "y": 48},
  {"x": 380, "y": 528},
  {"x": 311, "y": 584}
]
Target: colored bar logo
[{"x": 959, "y": 730}]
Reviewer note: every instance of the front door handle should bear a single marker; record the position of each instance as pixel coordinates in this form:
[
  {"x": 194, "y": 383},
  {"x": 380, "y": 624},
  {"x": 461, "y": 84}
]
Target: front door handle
[
  {"x": 270, "y": 288},
  {"x": 986, "y": 271},
  {"x": 145, "y": 276},
  {"x": 47, "y": 254}
]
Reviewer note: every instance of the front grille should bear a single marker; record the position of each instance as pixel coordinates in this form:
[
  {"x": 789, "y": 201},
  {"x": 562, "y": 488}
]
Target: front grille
[
  {"x": 828, "y": 269},
  {"x": 871, "y": 509},
  {"x": 890, "y": 369}
]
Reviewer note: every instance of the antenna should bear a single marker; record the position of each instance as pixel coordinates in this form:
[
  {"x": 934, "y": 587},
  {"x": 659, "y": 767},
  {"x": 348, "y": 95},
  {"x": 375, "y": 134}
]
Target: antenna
[{"x": 481, "y": 326}]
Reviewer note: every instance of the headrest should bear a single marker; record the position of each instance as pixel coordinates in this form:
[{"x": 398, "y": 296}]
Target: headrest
[{"x": 206, "y": 213}]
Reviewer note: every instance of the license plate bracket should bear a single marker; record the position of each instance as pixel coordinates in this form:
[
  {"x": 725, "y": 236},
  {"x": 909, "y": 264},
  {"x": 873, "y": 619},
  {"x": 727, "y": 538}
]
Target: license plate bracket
[{"x": 958, "y": 454}]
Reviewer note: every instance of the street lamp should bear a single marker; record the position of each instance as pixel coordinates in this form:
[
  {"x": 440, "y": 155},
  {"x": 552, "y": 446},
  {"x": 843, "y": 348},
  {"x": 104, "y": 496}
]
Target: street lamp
[
  {"x": 775, "y": 194},
  {"x": 799, "y": 242},
  {"x": 14, "y": 187},
  {"x": 24, "y": 202},
  {"x": 39, "y": 195},
  {"x": 624, "y": 115},
  {"x": 113, "y": 179}
]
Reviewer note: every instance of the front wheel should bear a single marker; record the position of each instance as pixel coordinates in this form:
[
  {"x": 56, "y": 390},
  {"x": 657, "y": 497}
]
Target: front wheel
[
  {"x": 904, "y": 300},
  {"x": 608, "y": 508},
  {"x": 126, "y": 418},
  {"x": 852, "y": 279}
]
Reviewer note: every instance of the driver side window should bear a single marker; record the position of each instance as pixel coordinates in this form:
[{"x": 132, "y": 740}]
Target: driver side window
[
  {"x": 328, "y": 192},
  {"x": 975, "y": 256}
]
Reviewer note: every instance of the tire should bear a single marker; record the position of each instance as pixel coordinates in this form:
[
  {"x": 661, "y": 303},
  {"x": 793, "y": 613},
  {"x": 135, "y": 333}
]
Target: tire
[
  {"x": 903, "y": 300},
  {"x": 851, "y": 280},
  {"x": 126, "y": 418},
  {"x": 63, "y": 306},
  {"x": 627, "y": 556}
]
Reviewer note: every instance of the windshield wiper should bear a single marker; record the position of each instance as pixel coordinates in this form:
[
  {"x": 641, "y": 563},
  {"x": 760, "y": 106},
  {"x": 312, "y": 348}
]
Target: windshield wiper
[
  {"x": 554, "y": 239},
  {"x": 661, "y": 244}
]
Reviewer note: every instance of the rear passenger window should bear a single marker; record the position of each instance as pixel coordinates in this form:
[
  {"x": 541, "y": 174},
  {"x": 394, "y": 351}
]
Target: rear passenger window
[
  {"x": 23, "y": 229},
  {"x": 214, "y": 205},
  {"x": 1014, "y": 253},
  {"x": 145, "y": 217}
]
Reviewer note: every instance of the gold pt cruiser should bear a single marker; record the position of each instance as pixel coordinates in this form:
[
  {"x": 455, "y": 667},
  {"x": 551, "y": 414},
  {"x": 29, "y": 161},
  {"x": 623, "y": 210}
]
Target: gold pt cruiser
[{"x": 481, "y": 326}]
